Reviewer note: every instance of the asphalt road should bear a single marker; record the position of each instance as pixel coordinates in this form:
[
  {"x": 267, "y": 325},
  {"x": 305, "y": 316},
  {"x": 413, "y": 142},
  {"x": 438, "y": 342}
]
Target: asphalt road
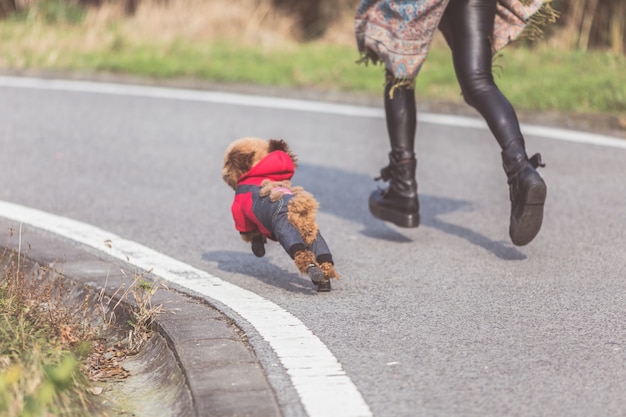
[{"x": 449, "y": 319}]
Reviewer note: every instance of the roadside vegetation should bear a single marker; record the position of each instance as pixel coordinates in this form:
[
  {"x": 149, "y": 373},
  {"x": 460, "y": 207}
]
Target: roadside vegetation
[
  {"x": 577, "y": 67},
  {"x": 56, "y": 357}
]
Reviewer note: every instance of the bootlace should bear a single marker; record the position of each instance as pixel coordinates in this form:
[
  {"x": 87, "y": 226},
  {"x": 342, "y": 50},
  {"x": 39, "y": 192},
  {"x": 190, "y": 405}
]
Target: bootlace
[
  {"x": 535, "y": 161},
  {"x": 385, "y": 174},
  {"x": 515, "y": 178}
]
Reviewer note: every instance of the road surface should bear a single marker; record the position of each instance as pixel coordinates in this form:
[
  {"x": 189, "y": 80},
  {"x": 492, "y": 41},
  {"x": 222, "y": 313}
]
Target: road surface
[{"x": 449, "y": 319}]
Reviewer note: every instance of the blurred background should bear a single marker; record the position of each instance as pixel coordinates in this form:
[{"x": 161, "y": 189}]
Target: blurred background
[
  {"x": 584, "y": 24},
  {"x": 578, "y": 66}
]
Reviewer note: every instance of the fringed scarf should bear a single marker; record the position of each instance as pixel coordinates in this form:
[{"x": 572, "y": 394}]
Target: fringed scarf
[{"x": 399, "y": 33}]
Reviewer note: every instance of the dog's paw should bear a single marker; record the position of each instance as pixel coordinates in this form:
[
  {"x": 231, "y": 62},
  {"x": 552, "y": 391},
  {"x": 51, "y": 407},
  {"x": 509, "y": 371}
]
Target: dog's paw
[
  {"x": 318, "y": 278},
  {"x": 329, "y": 270},
  {"x": 258, "y": 246},
  {"x": 315, "y": 274}
]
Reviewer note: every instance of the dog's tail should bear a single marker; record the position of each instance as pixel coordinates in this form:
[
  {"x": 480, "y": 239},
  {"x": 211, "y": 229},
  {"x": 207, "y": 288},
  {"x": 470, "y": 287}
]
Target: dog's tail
[{"x": 301, "y": 214}]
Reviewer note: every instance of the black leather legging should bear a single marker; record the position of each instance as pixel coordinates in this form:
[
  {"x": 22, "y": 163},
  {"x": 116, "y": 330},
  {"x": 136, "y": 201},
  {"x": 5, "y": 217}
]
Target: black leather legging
[{"x": 467, "y": 26}]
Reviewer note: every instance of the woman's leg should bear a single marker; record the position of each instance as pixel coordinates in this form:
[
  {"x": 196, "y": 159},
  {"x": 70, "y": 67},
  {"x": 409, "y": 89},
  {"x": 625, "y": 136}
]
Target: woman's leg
[
  {"x": 469, "y": 26},
  {"x": 398, "y": 203}
]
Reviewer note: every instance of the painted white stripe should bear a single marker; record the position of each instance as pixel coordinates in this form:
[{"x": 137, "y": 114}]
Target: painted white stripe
[
  {"x": 292, "y": 104},
  {"x": 323, "y": 386},
  {"x": 189, "y": 95}
]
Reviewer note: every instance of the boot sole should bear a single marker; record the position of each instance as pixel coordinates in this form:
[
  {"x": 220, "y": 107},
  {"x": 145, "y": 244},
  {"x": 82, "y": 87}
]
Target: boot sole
[
  {"x": 397, "y": 218},
  {"x": 523, "y": 230},
  {"x": 324, "y": 285}
]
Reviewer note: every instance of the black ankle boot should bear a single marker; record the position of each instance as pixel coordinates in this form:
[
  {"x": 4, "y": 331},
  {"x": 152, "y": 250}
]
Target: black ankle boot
[
  {"x": 397, "y": 203},
  {"x": 527, "y": 192}
]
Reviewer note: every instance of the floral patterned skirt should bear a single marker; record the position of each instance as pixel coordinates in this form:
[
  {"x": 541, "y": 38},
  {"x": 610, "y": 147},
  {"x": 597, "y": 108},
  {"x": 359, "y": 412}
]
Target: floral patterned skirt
[{"x": 399, "y": 33}]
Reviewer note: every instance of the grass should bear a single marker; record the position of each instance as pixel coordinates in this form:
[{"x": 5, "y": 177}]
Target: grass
[
  {"x": 39, "y": 357},
  {"x": 51, "y": 353},
  {"x": 541, "y": 78},
  {"x": 565, "y": 80}
]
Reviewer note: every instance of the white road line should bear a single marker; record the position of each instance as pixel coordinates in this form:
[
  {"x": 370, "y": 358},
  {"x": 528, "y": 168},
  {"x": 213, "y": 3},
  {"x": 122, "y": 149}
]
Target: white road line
[
  {"x": 291, "y": 104},
  {"x": 323, "y": 386}
]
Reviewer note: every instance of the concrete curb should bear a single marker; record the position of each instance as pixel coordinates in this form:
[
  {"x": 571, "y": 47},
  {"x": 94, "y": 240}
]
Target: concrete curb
[{"x": 220, "y": 371}]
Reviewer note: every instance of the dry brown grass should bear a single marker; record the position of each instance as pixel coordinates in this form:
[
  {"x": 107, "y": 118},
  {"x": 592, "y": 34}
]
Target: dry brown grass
[
  {"x": 53, "y": 338},
  {"x": 248, "y": 21},
  {"x": 251, "y": 22}
]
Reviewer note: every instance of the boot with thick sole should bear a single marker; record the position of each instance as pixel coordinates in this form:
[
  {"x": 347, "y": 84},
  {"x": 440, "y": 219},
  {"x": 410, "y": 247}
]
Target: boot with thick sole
[
  {"x": 527, "y": 192},
  {"x": 398, "y": 203}
]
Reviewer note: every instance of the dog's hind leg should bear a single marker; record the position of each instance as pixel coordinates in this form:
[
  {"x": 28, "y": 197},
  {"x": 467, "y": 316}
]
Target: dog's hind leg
[
  {"x": 324, "y": 257},
  {"x": 301, "y": 214},
  {"x": 306, "y": 264}
]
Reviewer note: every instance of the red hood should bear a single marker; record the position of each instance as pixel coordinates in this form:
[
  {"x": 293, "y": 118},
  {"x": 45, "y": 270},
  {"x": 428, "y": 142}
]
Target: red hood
[{"x": 276, "y": 166}]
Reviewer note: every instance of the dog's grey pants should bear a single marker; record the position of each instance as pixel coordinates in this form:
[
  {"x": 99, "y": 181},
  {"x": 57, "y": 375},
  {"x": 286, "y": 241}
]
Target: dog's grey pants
[{"x": 273, "y": 216}]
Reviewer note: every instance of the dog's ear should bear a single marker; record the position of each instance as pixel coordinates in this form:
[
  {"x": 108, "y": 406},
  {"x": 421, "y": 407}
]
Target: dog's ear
[
  {"x": 236, "y": 164},
  {"x": 281, "y": 145},
  {"x": 278, "y": 145}
]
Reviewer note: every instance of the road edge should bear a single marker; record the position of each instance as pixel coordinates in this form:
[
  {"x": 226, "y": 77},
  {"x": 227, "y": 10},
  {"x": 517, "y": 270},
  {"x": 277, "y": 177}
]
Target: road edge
[{"x": 221, "y": 372}]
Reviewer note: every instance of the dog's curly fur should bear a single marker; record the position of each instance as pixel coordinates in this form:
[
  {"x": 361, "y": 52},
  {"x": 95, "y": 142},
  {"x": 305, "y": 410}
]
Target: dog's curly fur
[
  {"x": 246, "y": 152},
  {"x": 241, "y": 156}
]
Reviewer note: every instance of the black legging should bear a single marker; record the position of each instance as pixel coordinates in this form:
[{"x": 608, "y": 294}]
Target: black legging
[{"x": 467, "y": 26}]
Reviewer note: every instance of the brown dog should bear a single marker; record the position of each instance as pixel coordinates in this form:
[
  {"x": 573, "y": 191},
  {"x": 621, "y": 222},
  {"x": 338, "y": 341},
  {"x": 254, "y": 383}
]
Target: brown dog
[{"x": 266, "y": 206}]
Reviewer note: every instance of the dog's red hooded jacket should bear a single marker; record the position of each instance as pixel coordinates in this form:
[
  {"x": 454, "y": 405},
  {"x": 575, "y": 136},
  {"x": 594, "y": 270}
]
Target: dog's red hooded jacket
[{"x": 276, "y": 166}]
